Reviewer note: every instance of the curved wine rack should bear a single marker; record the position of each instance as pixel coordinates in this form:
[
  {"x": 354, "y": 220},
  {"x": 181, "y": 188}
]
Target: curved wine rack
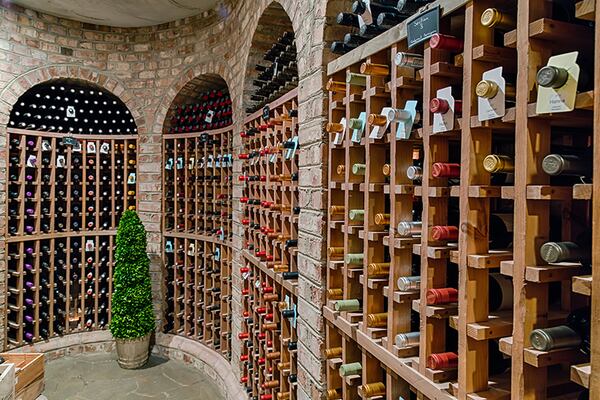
[
  {"x": 269, "y": 288},
  {"x": 197, "y": 222},
  {"x": 72, "y": 173}
]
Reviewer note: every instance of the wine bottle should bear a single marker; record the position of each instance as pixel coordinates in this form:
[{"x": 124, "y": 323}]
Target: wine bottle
[
  {"x": 350, "y": 305},
  {"x": 350, "y": 369},
  {"x": 370, "y": 390}
]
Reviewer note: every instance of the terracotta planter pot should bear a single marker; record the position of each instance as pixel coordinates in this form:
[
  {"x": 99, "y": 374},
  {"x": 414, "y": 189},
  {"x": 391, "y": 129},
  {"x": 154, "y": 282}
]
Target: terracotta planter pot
[{"x": 133, "y": 353}]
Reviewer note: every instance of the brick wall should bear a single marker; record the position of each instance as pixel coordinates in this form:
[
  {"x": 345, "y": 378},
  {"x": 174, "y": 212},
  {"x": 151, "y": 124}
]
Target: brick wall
[{"x": 147, "y": 68}]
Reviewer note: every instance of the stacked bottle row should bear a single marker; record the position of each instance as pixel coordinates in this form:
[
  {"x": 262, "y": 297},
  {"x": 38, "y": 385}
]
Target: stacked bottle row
[
  {"x": 71, "y": 107},
  {"x": 270, "y": 220},
  {"x": 417, "y": 191},
  {"x": 55, "y": 186},
  {"x": 277, "y": 73},
  {"x": 58, "y": 286},
  {"x": 270, "y": 198},
  {"x": 198, "y": 183},
  {"x": 268, "y": 360},
  {"x": 198, "y": 291},
  {"x": 212, "y": 110}
]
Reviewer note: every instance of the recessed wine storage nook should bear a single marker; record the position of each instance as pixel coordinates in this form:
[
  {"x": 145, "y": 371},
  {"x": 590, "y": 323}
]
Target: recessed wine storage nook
[
  {"x": 72, "y": 156},
  {"x": 197, "y": 219}
]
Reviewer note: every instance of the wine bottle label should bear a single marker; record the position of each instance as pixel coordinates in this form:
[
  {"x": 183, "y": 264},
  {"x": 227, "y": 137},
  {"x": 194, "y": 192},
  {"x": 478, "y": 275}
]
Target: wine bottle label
[{"x": 415, "y": 61}]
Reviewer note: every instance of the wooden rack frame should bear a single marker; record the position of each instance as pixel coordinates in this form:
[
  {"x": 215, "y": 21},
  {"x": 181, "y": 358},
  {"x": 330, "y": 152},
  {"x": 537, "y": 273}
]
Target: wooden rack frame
[
  {"x": 387, "y": 196},
  {"x": 270, "y": 219},
  {"x": 197, "y": 228},
  {"x": 56, "y": 283}
]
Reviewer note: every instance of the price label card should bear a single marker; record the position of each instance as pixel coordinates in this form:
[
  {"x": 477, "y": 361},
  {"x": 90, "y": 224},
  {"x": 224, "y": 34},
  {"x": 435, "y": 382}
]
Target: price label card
[
  {"x": 168, "y": 247},
  {"x": 180, "y": 163},
  {"x": 494, "y": 107},
  {"x": 169, "y": 164},
  {"x": 46, "y": 146},
  {"x": 60, "y": 161},
  {"x": 443, "y": 122},
  {"x": 266, "y": 113},
  {"x": 104, "y": 148},
  {"x": 91, "y": 147},
  {"x": 131, "y": 179},
  {"x": 191, "y": 163},
  {"x": 71, "y": 112},
  {"x": 191, "y": 249},
  {"x": 562, "y": 99},
  {"x": 379, "y": 130},
  {"x": 422, "y": 26},
  {"x": 31, "y": 160},
  {"x": 339, "y": 136},
  {"x": 292, "y": 152},
  {"x": 209, "y": 116},
  {"x": 89, "y": 245},
  {"x": 358, "y": 131},
  {"x": 405, "y": 126},
  {"x": 218, "y": 254}
]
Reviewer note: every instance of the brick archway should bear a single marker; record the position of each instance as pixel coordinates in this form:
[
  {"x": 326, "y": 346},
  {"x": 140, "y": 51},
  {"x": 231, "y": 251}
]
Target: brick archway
[
  {"x": 210, "y": 68},
  {"x": 21, "y": 84}
]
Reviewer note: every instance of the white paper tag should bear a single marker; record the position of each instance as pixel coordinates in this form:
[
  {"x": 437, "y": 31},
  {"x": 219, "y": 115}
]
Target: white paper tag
[
  {"x": 89, "y": 245},
  {"x": 169, "y": 246},
  {"x": 551, "y": 100},
  {"x": 169, "y": 164},
  {"x": 46, "y": 146},
  {"x": 60, "y": 161},
  {"x": 495, "y": 107},
  {"x": 292, "y": 152},
  {"x": 31, "y": 160},
  {"x": 104, "y": 148},
  {"x": 209, "y": 116},
  {"x": 444, "y": 122},
  {"x": 91, "y": 147},
  {"x": 191, "y": 163},
  {"x": 378, "y": 131},
  {"x": 339, "y": 137},
  {"x": 405, "y": 126},
  {"x": 180, "y": 163},
  {"x": 71, "y": 112},
  {"x": 131, "y": 179},
  {"x": 357, "y": 134},
  {"x": 76, "y": 147}
]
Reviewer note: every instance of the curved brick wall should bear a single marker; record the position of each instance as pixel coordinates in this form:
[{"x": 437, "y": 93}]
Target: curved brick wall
[{"x": 169, "y": 346}]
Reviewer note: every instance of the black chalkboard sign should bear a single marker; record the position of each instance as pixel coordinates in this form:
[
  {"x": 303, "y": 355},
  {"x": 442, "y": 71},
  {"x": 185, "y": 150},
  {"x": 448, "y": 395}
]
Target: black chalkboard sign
[
  {"x": 266, "y": 112},
  {"x": 423, "y": 26},
  {"x": 70, "y": 141}
]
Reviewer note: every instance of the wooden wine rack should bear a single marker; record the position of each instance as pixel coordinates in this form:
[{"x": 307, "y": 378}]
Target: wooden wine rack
[
  {"x": 543, "y": 294},
  {"x": 270, "y": 219},
  {"x": 60, "y": 260},
  {"x": 197, "y": 228}
]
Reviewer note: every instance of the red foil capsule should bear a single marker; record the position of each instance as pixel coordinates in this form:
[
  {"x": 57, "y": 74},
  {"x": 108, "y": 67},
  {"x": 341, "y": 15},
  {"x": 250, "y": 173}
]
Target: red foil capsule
[
  {"x": 261, "y": 361},
  {"x": 266, "y": 397},
  {"x": 445, "y": 170},
  {"x": 245, "y": 292},
  {"x": 244, "y": 200},
  {"x": 261, "y": 310},
  {"x": 244, "y": 270},
  {"x": 245, "y": 314},
  {"x": 269, "y": 343},
  {"x": 244, "y": 379},
  {"x": 268, "y": 317},
  {"x": 245, "y": 222},
  {"x": 269, "y": 258},
  {"x": 442, "y": 296},
  {"x": 260, "y": 253},
  {"x": 243, "y": 335},
  {"x": 441, "y": 232},
  {"x": 263, "y": 178},
  {"x": 263, "y": 127},
  {"x": 446, "y": 42},
  {"x": 268, "y": 289},
  {"x": 262, "y": 336},
  {"x": 242, "y": 178},
  {"x": 244, "y": 357},
  {"x": 442, "y": 361},
  {"x": 243, "y": 156}
]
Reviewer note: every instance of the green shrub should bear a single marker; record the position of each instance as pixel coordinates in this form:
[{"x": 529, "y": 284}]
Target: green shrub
[{"x": 132, "y": 314}]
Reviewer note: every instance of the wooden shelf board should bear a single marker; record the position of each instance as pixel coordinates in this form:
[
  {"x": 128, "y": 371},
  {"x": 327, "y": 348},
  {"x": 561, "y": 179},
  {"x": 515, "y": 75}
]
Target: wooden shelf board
[
  {"x": 582, "y": 284},
  {"x": 582, "y": 191},
  {"x": 586, "y": 10},
  {"x": 552, "y": 273},
  {"x": 580, "y": 374},
  {"x": 547, "y": 192},
  {"x": 505, "y": 345},
  {"x": 484, "y": 191},
  {"x": 437, "y": 311},
  {"x": 540, "y": 359},
  {"x": 491, "y": 260},
  {"x": 497, "y": 326}
]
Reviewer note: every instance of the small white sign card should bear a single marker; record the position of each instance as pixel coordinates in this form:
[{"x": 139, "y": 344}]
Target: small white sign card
[
  {"x": 444, "y": 122},
  {"x": 495, "y": 107}
]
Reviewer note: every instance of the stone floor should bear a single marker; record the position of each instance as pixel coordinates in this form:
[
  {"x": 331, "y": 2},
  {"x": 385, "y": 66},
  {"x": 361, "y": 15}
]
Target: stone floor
[{"x": 98, "y": 377}]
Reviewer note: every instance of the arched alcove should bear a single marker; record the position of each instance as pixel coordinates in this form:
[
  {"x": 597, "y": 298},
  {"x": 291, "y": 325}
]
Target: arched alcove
[
  {"x": 197, "y": 211},
  {"x": 72, "y": 172},
  {"x": 197, "y": 94},
  {"x": 272, "y": 25},
  {"x": 74, "y": 106}
]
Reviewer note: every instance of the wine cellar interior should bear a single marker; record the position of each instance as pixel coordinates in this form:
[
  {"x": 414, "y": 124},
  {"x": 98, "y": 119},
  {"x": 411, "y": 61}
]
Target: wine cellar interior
[{"x": 340, "y": 199}]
